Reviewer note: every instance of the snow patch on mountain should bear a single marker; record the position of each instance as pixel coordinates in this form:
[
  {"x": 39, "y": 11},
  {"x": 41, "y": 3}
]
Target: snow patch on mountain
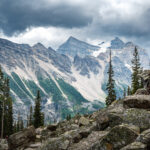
[
  {"x": 103, "y": 48},
  {"x": 90, "y": 88}
]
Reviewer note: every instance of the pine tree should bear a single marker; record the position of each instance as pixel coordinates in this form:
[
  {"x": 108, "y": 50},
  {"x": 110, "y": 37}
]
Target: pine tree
[
  {"x": 8, "y": 110},
  {"x": 31, "y": 116},
  {"x": 18, "y": 122},
  {"x": 28, "y": 118},
  {"x": 110, "y": 85},
  {"x": 21, "y": 124},
  {"x": 141, "y": 84},
  {"x": 1, "y": 81},
  {"x": 68, "y": 117},
  {"x": 129, "y": 91},
  {"x": 136, "y": 71},
  {"x": 42, "y": 119},
  {"x": 2, "y": 101},
  {"x": 37, "y": 111},
  {"x": 15, "y": 127},
  {"x": 124, "y": 93},
  {"x": 10, "y": 117},
  {"x": 6, "y": 107}
]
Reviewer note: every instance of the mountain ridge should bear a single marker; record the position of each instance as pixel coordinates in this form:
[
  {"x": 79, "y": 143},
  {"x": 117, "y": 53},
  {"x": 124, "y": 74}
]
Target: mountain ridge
[{"x": 84, "y": 75}]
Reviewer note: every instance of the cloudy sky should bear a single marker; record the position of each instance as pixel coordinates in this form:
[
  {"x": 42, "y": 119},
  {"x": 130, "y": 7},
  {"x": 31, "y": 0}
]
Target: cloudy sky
[{"x": 53, "y": 21}]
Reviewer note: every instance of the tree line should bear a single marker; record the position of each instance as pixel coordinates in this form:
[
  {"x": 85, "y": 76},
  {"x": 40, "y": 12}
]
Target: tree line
[
  {"x": 8, "y": 125},
  {"x": 136, "y": 81},
  {"x": 35, "y": 116},
  {"x": 6, "y": 107}
]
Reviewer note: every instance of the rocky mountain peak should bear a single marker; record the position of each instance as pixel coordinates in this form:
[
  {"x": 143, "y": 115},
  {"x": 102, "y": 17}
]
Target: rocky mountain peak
[
  {"x": 117, "y": 43},
  {"x": 39, "y": 46},
  {"x": 73, "y": 47},
  {"x": 71, "y": 38},
  {"x": 129, "y": 44}
]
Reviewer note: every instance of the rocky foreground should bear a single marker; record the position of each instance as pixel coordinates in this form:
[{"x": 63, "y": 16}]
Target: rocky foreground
[{"x": 124, "y": 125}]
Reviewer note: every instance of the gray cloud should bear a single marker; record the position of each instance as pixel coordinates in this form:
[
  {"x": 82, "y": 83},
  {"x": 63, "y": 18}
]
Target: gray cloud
[
  {"x": 18, "y": 15},
  {"x": 85, "y": 19}
]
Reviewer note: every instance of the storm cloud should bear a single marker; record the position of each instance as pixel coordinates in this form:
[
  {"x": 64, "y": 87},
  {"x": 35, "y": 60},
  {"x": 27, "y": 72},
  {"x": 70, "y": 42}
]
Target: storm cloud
[
  {"x": 55, "y": 20},
  {"x": 18, "y": 15}
]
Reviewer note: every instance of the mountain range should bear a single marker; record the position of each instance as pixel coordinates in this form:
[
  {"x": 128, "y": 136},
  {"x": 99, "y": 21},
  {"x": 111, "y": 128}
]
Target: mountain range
[{"x": 71, "y": 79}]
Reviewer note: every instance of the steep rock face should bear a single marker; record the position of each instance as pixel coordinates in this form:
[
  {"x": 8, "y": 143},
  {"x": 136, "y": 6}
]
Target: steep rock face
[
  {"x": 86, "y": 65},
  {"x": 68, "y": 83},
  {"x": 39, "y": 68},
  {"x": 73, "y": 47},
  {"x": 117, "y": 44}
]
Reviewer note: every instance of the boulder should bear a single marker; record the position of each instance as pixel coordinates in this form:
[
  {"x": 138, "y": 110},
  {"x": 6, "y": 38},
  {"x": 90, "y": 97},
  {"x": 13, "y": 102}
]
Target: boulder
[
  {"x": 55, "y": 144},
  {"x": 118, "y": 137},
  {"x": 22, "y": 138},
  {"x": 39, "y": 130},
  {"x": 110, "y": 116},
  {"x": 35, "y": 145},
  {"x": 142, "y": 91},
  {"x": 65, "y": 140},
  {"x": 102, "y": 120},
  {"x": 89, "y": 142},
  {"x": 52, "y": 127},
  {"x": 28, "y": 149},
  {"x": 137, "y": 117},
  {"x": 144, "y": 137},
  {"x": 135, "y": 146},
  {"x": 83, "y": 121},
  {"x": 106, "y": 119},
  {"x": 3, "y": 144},
  {"x": 137, "y": 101}
]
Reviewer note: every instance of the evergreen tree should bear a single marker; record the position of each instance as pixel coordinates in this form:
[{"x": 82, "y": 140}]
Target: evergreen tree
[
  {"x": 2, "y": 101},
  {"x": 18, "y": 122},
  {"x": 15, "y": 127},
  {"x": 110, "y": 84},
  {"x": 124, "y": 93},
  {"x": 9, "y": 117},
  {"x": 141, "y": 80},
  {"x": 129, "y": 91},
  {"x": 136, "y": 71},
  {"x": 37, "y": 111},
  {"x": 28, "y": 120},
  {"x": 6, "y": 107},
  {"x": 42, "y": 119},
  {"x": 1, "y": 81},
  {"x": 68, "y": 117},
  {"x": 21, "y": 124},
  {"x": 2, "y": 116},
  {"x": 8, "y": 110},
  {"x": 31, "y": 116}
]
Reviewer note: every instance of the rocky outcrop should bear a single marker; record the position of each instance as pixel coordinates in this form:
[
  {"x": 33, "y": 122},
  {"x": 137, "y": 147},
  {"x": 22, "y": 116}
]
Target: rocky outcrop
[
  {"x": 52, "y": 127},
  {"x": 142, "y": 91},
  {"x": 83, "y": 121},
  {"x": 144, "y": 137},
  {"x": 137, "y": 101},
  {"x": 22, "y": 138},
  {"x": 135, "y": 146},
  {"x": 116, "y": 138},
  {"x": 89, "y": 142},
  {"x": 3, "y": 144},
  {"x": 124, "y": 125}
]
